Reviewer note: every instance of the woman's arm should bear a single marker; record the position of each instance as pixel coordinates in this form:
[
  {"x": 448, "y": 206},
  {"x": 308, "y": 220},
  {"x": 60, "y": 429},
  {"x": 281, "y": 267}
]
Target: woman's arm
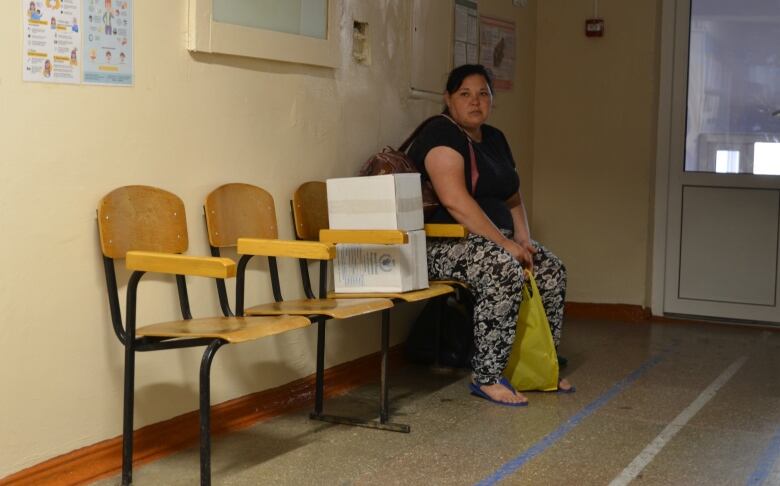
[
  {"x": 445, "y": 168},
  {"x": 522, "y": 234},
  {"x": 520, "y": 219}
]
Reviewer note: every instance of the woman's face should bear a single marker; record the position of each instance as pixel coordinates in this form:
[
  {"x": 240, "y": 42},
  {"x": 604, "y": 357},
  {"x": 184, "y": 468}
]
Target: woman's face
[{"x": 470, "y": 104}]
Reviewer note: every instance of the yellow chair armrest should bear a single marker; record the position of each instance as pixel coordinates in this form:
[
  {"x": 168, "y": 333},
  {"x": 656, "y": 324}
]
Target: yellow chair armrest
[
  {"x": 150, "y": 261},
  {"x": 313, "y": 250},
  {"x": 375, "y": 237},
  {"x": 446, "y": 231}
]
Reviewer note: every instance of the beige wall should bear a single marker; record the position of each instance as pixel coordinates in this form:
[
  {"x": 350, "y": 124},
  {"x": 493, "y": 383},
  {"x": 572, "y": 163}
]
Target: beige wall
[
  {"x": 513, "y": 111},
  {"x": 190, "y": 123},
  {"x": 594, "y": 145}
]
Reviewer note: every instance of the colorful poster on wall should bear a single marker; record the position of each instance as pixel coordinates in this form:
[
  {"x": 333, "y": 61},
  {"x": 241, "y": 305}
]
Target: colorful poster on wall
[
  {"x": 108, "y": 42},
  {"x": 52, "y": 40},
  {"x": 497, "y": 50}
]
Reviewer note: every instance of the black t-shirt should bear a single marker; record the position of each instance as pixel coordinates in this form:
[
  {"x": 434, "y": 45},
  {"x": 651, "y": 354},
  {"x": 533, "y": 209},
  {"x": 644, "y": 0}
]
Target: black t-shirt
[{"x": 498, "y": 179}]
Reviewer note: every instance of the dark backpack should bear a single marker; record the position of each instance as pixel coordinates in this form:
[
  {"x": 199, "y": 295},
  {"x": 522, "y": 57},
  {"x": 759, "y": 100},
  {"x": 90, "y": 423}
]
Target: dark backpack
[
  {"x": 454, "y": 317},
  {"x": 392, "y": 161}
]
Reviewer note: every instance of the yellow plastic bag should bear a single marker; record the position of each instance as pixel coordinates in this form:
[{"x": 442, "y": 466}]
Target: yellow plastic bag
[{"x": 533, "y": 363}]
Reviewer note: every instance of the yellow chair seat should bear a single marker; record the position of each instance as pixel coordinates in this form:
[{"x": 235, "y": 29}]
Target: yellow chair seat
[
  {"x": 450, "y": 282},
  {"x": 334, "y": 308},
  {"x": 434, "y": 290},
  {"x": 231, "y": 329}
]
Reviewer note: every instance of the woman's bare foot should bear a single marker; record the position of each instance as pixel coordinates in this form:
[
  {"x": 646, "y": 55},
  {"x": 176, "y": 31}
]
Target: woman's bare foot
[
  {"x": 565, "y": 386},
  {"x": 501, "y": 393}
]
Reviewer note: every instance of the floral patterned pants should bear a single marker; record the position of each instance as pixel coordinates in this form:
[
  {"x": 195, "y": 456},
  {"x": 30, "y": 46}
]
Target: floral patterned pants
[{"x": 495, "y": 280}]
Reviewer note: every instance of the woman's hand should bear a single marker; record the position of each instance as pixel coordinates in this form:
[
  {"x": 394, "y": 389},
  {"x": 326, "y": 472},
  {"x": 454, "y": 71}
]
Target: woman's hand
[
  {"x": 525, "y": 243},
  {"x": 521, "y": 253}
]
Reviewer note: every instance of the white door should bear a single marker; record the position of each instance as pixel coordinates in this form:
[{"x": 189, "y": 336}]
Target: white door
[{"x": 722, "y": 256}]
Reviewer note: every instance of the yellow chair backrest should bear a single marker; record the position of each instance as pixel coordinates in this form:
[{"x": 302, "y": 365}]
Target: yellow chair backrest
[
  {"x": 141, "y": 218},
  {"x": 310, "y": 210},
  {"x": 239, "y": 210}
]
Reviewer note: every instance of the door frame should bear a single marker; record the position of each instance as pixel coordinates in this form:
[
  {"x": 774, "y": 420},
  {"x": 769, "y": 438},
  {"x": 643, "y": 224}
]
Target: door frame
[
  {"x": 669, "y": 33},
  {"x": 674, "y": 34}
]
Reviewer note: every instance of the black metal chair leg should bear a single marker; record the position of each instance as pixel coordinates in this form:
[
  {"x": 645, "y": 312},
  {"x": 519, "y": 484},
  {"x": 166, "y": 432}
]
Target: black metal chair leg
[
  {"x": 440, "y": 304},
  {"x": 319, "y": 387},
  {"x": 382, "y": 423},
  {"x": 127, "y": 414},
  {"x": 205, "y": 412},
  {"x": 383, "y": 371}
]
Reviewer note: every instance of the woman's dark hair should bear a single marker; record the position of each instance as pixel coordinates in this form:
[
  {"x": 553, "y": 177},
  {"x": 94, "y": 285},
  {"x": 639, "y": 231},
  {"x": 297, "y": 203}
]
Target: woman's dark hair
[{"x": 460, "y": 73}]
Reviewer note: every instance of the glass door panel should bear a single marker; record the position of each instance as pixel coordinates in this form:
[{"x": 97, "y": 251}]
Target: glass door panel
[
  {"x": 733, "y": 116},
  {"x": 721, "y": 254}
]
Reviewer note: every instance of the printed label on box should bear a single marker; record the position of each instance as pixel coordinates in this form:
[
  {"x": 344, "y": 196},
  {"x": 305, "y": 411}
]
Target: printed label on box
[{"x": 382, "y": 268}]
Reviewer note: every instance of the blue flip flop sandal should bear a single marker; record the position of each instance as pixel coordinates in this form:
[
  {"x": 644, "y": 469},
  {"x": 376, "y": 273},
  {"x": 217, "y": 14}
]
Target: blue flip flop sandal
[{"x": 476, "y": 390}]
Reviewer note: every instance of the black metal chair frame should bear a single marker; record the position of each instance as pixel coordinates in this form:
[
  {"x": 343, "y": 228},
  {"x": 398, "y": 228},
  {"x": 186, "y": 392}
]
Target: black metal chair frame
[
  {"x": 384, "y": 382},
  {"x": 319, "y": 393},
  {"x": 132, "y": 344},
  {"x": 384, "y": 352}
]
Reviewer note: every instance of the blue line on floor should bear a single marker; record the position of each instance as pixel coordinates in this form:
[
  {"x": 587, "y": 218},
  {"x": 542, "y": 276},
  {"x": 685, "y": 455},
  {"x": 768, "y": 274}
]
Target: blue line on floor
[
  {"x": 564, "y": 429},
  {"x": 768, "y": 458}
]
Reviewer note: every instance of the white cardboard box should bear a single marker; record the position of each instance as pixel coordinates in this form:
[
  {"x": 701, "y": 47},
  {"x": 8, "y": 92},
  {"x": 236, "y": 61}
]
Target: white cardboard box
[
  {"x": 392, "y": 201},
  {"x": 382, "y": 268}
]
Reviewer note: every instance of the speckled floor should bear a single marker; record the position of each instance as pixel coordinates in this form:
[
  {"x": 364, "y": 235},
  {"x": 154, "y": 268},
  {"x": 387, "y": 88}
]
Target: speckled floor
[{"x": 716, "y": 385}]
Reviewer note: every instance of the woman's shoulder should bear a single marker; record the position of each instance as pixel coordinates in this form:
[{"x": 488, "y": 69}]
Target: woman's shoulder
[
  {"x": 493, "y": 136},
  {"x": 438, "y": 132},
  {"x": 490, "y": 131},
  {"x": 441, "y": 131},
  {"x": 439, "y": 125}
]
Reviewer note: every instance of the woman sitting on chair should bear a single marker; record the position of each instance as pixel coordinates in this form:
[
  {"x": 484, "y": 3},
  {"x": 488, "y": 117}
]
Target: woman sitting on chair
[{"x": 487, "y": 201}]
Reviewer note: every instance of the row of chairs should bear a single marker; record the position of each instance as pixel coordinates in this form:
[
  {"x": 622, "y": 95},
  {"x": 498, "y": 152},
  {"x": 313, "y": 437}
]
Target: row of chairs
[{"x": 146, "y": 227}]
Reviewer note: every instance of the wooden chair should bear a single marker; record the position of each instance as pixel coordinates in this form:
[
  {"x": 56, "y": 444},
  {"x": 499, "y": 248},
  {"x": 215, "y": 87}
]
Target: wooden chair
[
  {"x": 310, "y": 217},
  {"x": 147, "y": 227},
  {"x": 244, "y": 216}
]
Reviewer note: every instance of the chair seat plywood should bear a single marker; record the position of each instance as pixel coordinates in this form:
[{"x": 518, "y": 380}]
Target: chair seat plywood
[
  {"x": 452, "y": 283},
  {"x": 434, "y": 290},
  {"x": 334, "y": 308},
  {"x": 231, "y": 329}
]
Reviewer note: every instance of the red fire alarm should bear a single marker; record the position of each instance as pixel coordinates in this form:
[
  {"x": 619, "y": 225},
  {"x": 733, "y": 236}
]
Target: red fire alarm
[{"x": 594, "y": 27}]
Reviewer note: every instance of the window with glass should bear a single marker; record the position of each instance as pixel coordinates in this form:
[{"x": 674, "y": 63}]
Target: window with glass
[
  {"x": 300, "y": 17},
  {"x": 298, "y": 31}
]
